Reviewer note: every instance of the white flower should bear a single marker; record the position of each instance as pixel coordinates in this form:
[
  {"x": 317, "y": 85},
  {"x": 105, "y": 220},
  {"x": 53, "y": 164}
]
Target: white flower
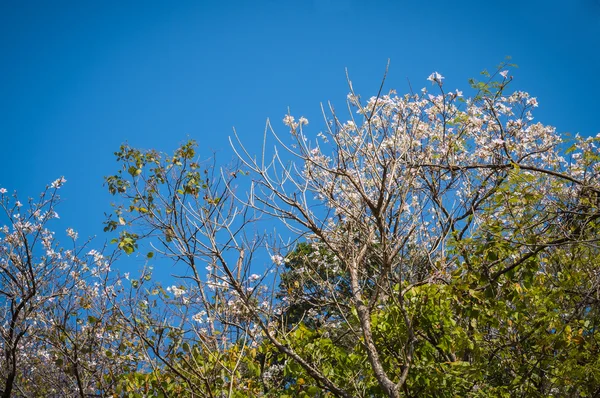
[
  {"x": 3, "y": 191},
  {"x": 98, "y": 257},
  {"x": 303, "y": 121},
  {"x": 18, "y": 204},
  {"x": 277, "y": 259},
  {"x": 435, "y": 78},
  {"x": 532, "y": 101},
  {"x": 254, "y": 277},
  {"x": 353, "y": 99},
  {"x": 288, "y": 120},
  {"x": 504, "y": 73},
  {"x": 199, "y": 316},
  {"x": 58, "y": 183},
  {"x": 72, "y": 234},
  {"x": 177, "y": 292}
]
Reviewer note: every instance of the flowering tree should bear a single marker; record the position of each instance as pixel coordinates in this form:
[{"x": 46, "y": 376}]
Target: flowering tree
[
  {"x": 446, "y": 246},
  {"x": 433, "y": 197},
  {"x": 56, "y": 337}
]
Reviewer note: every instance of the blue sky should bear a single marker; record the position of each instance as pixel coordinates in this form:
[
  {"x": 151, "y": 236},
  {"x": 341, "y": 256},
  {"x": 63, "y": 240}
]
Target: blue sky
[{"x": 79, "y": 78}]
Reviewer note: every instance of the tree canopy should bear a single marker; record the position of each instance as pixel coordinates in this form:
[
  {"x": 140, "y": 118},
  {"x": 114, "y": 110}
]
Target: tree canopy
[{"x": 426, "y": 245}]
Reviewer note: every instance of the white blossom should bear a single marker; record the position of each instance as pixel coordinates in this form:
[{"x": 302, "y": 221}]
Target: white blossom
[
  {"x": 435, "y": 77},
  {"x": 58, "y": 183},
  {"x": 72, "y": 234},
  {"x": 177, "y": 291},
  {"x": 277, "y": 259}
]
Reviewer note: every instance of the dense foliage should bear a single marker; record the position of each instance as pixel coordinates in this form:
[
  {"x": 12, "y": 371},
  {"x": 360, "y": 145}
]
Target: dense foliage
[{"x": 440, "y": 246}]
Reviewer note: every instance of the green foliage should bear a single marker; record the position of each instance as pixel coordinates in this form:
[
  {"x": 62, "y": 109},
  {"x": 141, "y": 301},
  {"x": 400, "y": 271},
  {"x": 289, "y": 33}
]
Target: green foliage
[{"x": 531, "y": 334}]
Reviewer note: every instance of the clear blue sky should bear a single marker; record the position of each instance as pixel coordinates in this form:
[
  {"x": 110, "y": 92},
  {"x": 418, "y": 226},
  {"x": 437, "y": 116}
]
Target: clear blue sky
[{"x": 79, "y": 78}]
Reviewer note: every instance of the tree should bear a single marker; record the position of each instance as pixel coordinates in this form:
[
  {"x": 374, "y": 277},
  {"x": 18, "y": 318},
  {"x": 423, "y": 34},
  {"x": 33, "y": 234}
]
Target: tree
[
  {"x": 57, "y": 335},
  {"x": 446, "y": 246},
  {"x": 198, "y": 331},
  {"x": 417, "y": 187}
]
